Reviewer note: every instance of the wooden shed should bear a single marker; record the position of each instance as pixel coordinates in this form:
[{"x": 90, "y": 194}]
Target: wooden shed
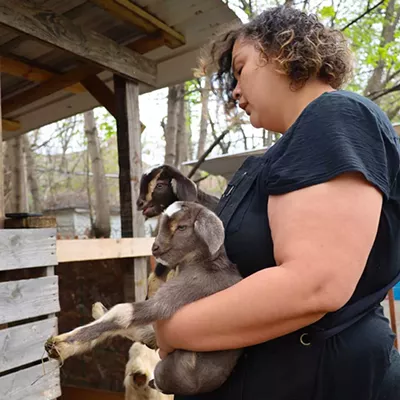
[{"x": 59, "y": 58}]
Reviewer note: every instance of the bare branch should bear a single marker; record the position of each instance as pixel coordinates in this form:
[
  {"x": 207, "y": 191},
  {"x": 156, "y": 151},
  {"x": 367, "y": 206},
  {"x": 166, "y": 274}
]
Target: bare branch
[
  {"x": 362, "y": 15},
  {"x": 377, "y": 95},
  {"x": 207, "y": 152}
]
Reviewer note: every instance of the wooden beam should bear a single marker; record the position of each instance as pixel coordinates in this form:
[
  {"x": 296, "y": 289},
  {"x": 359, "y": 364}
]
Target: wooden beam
[
  {"x": 49, "y": 87},
  {"x": 61, "y": 32},
  {"x": 103, "y": 249},
  {"x": 61, "y": 82},
  {"x": 130, "y": 12},
  {"x": 150, "y": 42},
  {"x": 129, "y": 160},
  {"x": 9, "y": 125},
  {"x": 101, "y": 92},
  {"x": 22, "y": 70}
]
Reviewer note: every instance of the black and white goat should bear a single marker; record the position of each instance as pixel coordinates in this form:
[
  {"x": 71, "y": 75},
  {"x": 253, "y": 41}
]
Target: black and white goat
[
  {"x": 165, "y": 184},
  {"x": 193, "y": 236}
]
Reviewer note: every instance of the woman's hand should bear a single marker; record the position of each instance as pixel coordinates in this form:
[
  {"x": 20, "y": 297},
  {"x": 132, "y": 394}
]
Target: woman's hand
[{"x": 160, "y": 328}]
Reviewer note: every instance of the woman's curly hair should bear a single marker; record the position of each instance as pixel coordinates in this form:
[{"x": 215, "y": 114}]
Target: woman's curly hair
[{"x": 298, "y": 42}]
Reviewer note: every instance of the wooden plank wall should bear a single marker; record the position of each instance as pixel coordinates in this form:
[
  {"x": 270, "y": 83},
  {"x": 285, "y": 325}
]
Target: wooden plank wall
[{"x": 27, "y": 314}]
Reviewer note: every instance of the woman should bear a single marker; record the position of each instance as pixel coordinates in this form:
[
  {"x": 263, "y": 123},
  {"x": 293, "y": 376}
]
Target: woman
[{"x": 313, "y": 225}]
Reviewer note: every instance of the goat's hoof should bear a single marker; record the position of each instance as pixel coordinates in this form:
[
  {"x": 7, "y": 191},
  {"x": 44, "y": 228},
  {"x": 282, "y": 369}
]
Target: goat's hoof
[
  {"x": 50, "y": 348},
  {"x": 98, "y": 310},
  {"x": 58, "y": 348}
]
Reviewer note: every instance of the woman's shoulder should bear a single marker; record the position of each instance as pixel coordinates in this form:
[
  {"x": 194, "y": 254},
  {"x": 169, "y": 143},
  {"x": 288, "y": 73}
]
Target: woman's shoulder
[
  {"x": 338, "y": 132},
  {"x": 341, "y": 109}
]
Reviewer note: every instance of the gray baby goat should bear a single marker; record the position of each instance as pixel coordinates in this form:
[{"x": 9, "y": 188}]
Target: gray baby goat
[{"x": 193, "y": 237}]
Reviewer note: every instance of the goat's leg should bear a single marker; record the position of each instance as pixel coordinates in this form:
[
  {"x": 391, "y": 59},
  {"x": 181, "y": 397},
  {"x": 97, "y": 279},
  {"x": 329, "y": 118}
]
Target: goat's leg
[
  {"x": 115, "y": 322},
  {"x": 143, "y": 334}
]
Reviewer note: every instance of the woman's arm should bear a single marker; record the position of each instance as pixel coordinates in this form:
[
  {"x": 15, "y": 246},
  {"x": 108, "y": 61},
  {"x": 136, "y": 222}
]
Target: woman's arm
[{"x": 322, "y": 238}]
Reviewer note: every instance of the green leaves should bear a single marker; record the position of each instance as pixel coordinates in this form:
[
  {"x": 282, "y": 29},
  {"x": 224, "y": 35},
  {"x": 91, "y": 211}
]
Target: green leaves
[{"x": 327, "y": 12}]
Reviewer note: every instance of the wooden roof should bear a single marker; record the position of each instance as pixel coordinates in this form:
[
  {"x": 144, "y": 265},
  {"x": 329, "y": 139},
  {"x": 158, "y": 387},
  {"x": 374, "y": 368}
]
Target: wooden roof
[{"x": 56, "y": 54}]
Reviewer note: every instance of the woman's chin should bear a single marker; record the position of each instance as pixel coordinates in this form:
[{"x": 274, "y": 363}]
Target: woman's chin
[{"x": 255, "y": 122}]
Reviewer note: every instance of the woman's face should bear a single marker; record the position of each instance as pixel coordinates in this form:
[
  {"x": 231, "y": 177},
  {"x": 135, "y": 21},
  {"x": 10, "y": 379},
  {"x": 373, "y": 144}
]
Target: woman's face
[{"x": 261, "y": 91}]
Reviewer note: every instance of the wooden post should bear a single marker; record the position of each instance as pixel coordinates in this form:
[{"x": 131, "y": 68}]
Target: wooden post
[
  {"x": 130, "y": 170},
  {"x": 1, "y": 166},
  {"x": 392, "y": 310}
]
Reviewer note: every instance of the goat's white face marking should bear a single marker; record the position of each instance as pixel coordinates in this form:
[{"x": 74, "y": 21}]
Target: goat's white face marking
[
  {"x": 173, "y": 208},
  {"x": 173, "y": 185},
  {"x": 161, "y": 261}
]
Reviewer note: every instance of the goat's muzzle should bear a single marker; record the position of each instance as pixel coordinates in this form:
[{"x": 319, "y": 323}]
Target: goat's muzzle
[{"x": 155, "y": 249}]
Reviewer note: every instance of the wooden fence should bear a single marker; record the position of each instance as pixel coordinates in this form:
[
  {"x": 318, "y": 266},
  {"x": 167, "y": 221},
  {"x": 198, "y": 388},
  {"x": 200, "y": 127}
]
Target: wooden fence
[{"x": 27, "y": 314}]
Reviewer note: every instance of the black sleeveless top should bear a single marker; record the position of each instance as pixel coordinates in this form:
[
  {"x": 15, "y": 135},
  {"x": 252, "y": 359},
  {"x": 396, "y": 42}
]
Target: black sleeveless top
[{"x": 345, "y": 355}]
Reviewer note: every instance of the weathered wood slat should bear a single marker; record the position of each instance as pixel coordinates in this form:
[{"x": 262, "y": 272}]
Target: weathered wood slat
[
  {"x": 61, "y": 32},
  {"x": 103, "y": 249},
  {"x": 23, "y": 344},
  {"x": 27, "y": 248},
  {"x": 32, "y": 383},
  {"x": 28, "y": 298}
]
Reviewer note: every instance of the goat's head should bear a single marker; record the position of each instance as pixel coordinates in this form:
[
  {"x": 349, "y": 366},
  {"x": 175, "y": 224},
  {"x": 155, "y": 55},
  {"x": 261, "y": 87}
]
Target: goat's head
[
  {"x": 187, "y": 231},
  {"x": 140, "y": 366},
  {"x": 161, "y": 187}
]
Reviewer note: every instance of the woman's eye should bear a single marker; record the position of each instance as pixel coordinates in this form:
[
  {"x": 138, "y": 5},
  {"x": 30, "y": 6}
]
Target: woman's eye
[{"x": 181, "y": 227}]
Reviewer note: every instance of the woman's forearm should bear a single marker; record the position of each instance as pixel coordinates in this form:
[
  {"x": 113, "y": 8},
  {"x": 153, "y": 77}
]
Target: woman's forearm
[{"x": 266, "y": 305}]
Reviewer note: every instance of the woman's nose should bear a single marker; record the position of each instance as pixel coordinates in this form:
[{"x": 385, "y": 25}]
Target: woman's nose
[{"x": 236, "y": 92}]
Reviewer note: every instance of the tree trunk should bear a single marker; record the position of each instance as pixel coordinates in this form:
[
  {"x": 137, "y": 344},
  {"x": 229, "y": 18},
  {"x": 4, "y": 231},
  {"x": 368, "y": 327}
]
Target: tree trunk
[
  {"x": 182, "y": 145},
  {"x": 171, "y": 128},
  {"x": 180, "y": 150},
  {"x": 102, "y": 226},
  {"x": 19, "y": 201},
  {"x": 31, "y": 175},
  {"x": 205, "y": 95},
  {"x": 392, "y": 17}
]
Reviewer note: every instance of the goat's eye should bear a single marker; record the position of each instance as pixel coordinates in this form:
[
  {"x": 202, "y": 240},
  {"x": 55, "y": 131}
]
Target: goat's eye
[
  {"x": 159, "y": 186},
  {"x": 181, "y": 227}
]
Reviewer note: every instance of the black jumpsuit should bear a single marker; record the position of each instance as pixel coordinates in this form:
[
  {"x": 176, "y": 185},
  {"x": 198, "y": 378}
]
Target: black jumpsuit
[{"x": 348, "y": 354}]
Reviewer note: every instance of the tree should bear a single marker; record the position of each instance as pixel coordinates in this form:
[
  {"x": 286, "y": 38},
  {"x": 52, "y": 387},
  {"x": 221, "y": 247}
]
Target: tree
[
  {"x": 170, "y": 128},
  {"x": 31, "y": 174},
  {"x": 101, "y": 226}
]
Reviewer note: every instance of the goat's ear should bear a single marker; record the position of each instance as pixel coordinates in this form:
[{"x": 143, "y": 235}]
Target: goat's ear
[
  {"x": 184, "y": 188},
  {"x": 210, "y": 229}
]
